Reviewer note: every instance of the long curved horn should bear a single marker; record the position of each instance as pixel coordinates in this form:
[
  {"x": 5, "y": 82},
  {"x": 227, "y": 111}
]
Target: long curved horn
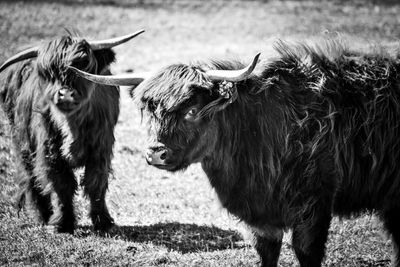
[
  {"x": 233, "y": 75},
  {"x": 122, "y": 79},
  {"x": 108, "y": 43},
  {"x": 28, "y": 53},
  {"x": 95, "y": 45}
]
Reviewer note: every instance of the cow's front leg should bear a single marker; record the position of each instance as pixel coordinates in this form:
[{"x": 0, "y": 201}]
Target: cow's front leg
[
  {"x": 57, "y": 180},
  {"x": 30, "y": 190},
  {"x": 309, "y": 238},
  {"x": 95, "y": 183},
  {"x": 268, "y": 247}
]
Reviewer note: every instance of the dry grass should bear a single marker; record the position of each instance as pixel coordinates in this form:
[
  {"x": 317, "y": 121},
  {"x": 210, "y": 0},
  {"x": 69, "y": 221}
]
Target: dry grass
[{"x": 174, "y": 219}]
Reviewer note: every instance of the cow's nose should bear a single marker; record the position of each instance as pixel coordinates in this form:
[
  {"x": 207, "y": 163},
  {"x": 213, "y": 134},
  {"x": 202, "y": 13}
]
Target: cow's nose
[
  {"x": 66, "y": 95},
  {"x": 157, "y": 156}
]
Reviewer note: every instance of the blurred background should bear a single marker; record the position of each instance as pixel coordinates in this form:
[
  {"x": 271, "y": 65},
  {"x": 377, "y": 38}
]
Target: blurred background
[{"x": 174, "y": 219}]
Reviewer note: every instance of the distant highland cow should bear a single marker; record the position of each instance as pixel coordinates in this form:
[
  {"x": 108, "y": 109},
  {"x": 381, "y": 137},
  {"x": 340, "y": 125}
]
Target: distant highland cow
[
  {"x": 61, "y": 122},
  {"x": 315, "y": 134}
]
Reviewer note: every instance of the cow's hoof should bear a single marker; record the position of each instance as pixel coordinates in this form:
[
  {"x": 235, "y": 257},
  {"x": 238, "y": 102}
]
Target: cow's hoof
[
  {"x": 103, "y": 224},
  {"x": 53, "y": 229}
]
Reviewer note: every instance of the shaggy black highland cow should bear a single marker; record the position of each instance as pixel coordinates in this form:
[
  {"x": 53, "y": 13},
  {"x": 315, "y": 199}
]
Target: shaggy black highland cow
[
  {"x": 315, "y": 134},
  {"x": 61, "y": 122}
]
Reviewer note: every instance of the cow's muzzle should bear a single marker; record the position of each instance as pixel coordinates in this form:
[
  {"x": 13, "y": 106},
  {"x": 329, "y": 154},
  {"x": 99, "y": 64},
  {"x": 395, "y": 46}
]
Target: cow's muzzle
[
  {"x": 158, "y": 156},
  {"x": 65, "y": 99}
]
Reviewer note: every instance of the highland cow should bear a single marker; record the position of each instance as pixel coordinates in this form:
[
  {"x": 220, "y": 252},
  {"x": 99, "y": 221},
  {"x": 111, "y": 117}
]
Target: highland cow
[
  {"x": 61, "y": 122},
  {"x": 314, "y": 134}
]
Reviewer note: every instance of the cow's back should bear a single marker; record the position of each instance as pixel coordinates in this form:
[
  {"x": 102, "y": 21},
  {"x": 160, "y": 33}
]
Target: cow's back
[
  {"x": 14, "y": 86},
  {"x": 361, "y": 100},
  {"x": 367, "y": 143},
  {"x": 343, "y": 107},
  {"x": 18, "y": 93}
]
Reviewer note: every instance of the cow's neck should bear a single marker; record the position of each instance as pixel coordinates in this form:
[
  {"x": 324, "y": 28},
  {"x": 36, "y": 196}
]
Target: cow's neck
[
  {"x": 245, "y": 155},
  {"x": 71, "y": 126},
  {"x": 80, "y": 116}
]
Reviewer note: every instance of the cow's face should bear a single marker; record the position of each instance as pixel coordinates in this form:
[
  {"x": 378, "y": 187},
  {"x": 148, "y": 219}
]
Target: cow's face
[
  {"x": 61, "y": 87},
  {"x": 178, "y": 104}
]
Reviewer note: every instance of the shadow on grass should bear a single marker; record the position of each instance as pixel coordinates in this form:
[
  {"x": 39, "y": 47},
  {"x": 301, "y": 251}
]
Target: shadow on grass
[
  {"x": 184, "y": 238},
  {"x": 112, "y": 3},
  {"x": 163, "y": 3},
  {"x": 372, "y": 263}
]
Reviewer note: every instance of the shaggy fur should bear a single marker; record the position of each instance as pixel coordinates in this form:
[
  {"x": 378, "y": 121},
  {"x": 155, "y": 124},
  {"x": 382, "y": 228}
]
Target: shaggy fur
[
  {"x": 315, "y": 134},
  {"x": 54, "y": 134}
]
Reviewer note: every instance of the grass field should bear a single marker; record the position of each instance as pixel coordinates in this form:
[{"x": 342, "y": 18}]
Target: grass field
[{"x": 174, "y": 219}]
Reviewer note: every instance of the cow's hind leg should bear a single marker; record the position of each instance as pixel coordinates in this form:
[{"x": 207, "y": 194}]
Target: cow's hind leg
[
  {"x": 391, "y": 218},
  {"x": 95, "y": 183},
  {"x": 309, "y": 238},
  {"x": 268, "y": 247}
]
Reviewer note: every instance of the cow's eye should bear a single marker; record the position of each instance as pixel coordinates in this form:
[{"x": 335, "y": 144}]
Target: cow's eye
[
  {"x": 81, "y": 60},
  {"x": 191, "y": 113}
]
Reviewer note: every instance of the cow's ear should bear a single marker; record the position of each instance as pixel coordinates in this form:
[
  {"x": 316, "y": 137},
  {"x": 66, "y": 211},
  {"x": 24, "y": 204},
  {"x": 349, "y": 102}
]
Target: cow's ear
[
  {"x": 131, "y": 90},
  {"x": 227, "y": 91},
  {"x": 104, "y": 58},
  {"x": 224, "y": 93}
]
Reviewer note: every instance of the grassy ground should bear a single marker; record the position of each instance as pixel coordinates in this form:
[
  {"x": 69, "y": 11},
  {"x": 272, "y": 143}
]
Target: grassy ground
[{"x": 174, "y": 219}]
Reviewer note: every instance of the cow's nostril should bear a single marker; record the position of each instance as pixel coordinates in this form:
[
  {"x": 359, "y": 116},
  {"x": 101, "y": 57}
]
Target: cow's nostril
[
  {"x": 61, "y": 93},
  {"x": 67, "y": 94},
  {"x": 163, "y": 156}
]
